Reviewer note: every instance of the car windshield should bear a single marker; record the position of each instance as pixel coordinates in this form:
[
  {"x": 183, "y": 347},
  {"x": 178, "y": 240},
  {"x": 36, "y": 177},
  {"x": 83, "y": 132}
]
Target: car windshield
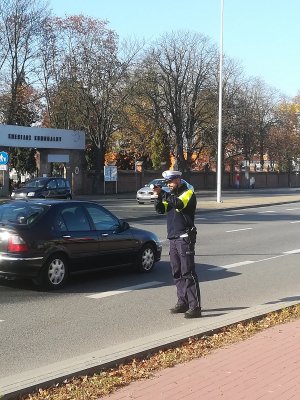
[
  {"x": 36, "y": 183},
  {"x": 20, "y": 213}
]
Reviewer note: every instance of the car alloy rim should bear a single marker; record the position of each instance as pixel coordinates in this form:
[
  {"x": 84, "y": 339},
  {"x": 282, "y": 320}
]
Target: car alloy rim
[
  {"x": 56, "y": 271},
  {"x": 147, "y": 259}
]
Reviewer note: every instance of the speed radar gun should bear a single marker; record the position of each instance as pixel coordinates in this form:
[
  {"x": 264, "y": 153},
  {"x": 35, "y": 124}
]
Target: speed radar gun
[{"x": 152, "y": 186}]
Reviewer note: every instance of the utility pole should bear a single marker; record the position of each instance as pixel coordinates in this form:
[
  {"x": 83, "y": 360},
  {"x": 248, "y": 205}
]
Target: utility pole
[{"x": 219, "y": 163}]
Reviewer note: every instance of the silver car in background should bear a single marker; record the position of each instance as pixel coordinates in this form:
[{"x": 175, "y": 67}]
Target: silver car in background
[{"x": 146, "y": 194}]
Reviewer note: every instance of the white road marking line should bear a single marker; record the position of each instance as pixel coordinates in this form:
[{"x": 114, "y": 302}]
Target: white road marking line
[
  {"x": 238, "y": 230},
  {"x": 292, "y": 251},
  {"x": 271, "y": 258},
  {"x": 232, "y": 215},
  {"x": 124, "y": 290},
  {"x": 264, "y": 212},
  {"x": 200, "y": 218},
  {"x": 292, "y": 209},
  {"x": 239, "y": 264},
  {"x": 1, "y": 320},
  {"x": 294, "y": 222}
]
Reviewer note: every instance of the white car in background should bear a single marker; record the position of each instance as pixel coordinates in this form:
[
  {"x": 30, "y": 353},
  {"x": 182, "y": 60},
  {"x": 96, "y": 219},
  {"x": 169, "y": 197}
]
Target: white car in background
[{"x": 146, "y": 194}]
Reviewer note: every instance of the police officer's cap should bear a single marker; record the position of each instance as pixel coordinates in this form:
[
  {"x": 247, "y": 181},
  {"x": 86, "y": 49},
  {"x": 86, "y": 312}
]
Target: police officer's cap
[{"x": 169, "y": 175}]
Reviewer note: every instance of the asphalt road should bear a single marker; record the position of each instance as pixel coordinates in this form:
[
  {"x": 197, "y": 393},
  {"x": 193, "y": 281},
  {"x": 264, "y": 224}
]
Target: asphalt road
[{"x": 244, "y": 258}]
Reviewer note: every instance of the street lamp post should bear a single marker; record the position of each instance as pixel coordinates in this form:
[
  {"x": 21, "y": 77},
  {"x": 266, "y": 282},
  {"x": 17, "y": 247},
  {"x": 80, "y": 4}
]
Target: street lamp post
[{"x": 219, "y": 162}]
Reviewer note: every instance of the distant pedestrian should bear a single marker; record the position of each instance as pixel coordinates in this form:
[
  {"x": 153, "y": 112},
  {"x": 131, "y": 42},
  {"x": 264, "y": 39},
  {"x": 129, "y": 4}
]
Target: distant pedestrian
[
  {"x": 179, "y": 204},
  {"x": 237, "y": 180},
  {"x": 252, "y": 182}
]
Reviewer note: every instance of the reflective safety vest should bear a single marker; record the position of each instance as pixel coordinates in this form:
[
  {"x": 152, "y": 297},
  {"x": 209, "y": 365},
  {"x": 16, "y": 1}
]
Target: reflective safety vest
[{"x": 180, "y": 207}]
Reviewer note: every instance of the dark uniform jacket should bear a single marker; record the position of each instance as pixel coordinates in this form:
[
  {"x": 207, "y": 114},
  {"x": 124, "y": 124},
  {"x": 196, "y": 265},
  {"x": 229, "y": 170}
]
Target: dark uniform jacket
[{"x": 180, "y": 207}]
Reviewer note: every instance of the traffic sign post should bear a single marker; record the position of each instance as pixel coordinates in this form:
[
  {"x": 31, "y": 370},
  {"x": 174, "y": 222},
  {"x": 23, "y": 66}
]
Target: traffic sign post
[
  {"x": 111, "y": 175},
  {"x": 4, "y": 158},
  {"x": 4, "y": 181}
]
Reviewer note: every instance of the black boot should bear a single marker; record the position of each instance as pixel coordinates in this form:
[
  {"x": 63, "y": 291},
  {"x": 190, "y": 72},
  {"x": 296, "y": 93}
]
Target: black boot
[
  {"x": 193, "y": 313},
  {"x": 179, "y": 308}
]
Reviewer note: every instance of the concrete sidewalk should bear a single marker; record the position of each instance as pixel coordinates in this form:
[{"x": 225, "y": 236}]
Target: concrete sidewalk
[
  {"x": 266, "y": 366},
  {"x": 242, "y": 375},
  {"x": 246, "y": 198}
]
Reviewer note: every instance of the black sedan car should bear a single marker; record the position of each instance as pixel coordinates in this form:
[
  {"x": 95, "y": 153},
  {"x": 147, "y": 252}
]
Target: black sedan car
[
  {"x": 47, "y": 240},
  {"x": 44, "y": 188}
]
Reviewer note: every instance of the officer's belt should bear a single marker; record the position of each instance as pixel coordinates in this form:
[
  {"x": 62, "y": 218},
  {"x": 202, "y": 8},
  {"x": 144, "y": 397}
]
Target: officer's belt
[{"x": 184, "y": 235}]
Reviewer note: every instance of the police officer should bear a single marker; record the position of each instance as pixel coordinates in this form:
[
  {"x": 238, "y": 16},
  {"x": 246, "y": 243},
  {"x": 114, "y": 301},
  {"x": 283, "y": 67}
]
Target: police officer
[{"x": 180, "y": 204}]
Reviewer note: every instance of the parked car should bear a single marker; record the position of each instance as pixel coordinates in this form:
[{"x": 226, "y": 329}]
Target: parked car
[
  {"x": 146, "y": 194},
  {"x": 47, "y": 240},
  {"x": 51, "y": 187}
]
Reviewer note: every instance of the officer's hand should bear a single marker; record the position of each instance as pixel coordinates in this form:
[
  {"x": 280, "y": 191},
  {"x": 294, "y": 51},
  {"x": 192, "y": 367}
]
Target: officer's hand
[{"x": 156, "y": 189}]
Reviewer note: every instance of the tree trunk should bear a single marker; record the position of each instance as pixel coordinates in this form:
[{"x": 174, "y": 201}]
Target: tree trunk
[{"x": 98, "y": 178}]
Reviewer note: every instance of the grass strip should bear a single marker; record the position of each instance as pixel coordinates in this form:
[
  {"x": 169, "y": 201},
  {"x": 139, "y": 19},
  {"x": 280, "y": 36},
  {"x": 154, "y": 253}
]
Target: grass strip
[{"x": 105, "y": 382}]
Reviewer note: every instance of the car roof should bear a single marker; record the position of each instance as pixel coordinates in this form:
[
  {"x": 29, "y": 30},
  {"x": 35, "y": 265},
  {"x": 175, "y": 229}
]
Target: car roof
[
  {"x": 163, "y": 180},
  {"x": 157, "y": 179},
  {"x": 45, "y": 178},
  {"x": 51, "y": 202}
]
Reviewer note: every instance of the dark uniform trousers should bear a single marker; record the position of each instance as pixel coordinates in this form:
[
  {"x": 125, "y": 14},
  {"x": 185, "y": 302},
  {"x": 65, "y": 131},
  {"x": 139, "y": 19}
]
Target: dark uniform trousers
[{"x": 184, "y": 274}]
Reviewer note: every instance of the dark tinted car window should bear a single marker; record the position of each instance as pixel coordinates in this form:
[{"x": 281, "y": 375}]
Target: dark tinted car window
[
  {"x": 75, "y": 219},
  {"x": 51, "y": 184},
  {"x": 59, "y": 224},
  {"x": 61, "y": 183},
  {"x": 101, "y": 219},
  {"x": 35, "y": 183},
  {"x": 23, "y": 214}
]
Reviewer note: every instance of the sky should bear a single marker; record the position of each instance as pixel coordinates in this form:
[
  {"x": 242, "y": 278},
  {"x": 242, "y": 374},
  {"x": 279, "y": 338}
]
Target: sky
[{"x": 262, "y": 35}]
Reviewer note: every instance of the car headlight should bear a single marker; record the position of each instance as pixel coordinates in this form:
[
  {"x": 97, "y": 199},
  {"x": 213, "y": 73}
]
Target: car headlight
[{"x": 31, "y": 194}]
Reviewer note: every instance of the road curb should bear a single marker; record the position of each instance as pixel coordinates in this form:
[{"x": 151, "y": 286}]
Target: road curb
[
  {"x": 13, "y": 386},
  {"x": 240, "y": 207}
]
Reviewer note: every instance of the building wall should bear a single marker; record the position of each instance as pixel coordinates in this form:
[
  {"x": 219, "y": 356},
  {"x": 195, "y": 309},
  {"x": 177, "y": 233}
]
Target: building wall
[
  {"x": 131, "y": 181},
  {"x": 74, "y": 167},
  {"x": 66, "y": 145}
]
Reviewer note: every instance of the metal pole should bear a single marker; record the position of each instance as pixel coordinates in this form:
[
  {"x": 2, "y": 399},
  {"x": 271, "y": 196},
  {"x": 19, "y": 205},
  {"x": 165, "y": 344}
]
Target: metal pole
[{"x": 219, "y": 163}]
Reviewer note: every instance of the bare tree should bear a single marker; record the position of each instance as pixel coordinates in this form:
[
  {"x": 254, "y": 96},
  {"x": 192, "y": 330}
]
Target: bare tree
[
  {"x": 232, "y": 89},
  {"x": 178, "y": 69},
  {"x": 264, "y": 100},
  {"x": 86, "y": 67},
  {"x": 21, "y": 22},
  {"x": 253, "y": 118}
]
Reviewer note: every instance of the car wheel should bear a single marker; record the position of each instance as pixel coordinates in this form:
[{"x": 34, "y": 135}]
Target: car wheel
[
  {"x": 54, "y": 273},
  {"x": 69, "y": 197},
  {"x": 146, "y": 259}
]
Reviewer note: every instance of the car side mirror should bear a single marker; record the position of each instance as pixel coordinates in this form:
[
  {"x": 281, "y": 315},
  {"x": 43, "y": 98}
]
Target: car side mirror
[{"x": 124, "y": 226}]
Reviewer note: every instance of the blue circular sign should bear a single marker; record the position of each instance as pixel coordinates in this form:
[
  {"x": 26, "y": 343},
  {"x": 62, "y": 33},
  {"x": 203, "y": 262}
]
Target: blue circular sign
[{"x": 4, "y": 158}]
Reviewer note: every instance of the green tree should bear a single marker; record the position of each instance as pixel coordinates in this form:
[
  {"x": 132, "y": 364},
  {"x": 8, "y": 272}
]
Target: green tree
[
  {"x": 23, "y": 161},
  {"x": 159, "y": 151}
]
